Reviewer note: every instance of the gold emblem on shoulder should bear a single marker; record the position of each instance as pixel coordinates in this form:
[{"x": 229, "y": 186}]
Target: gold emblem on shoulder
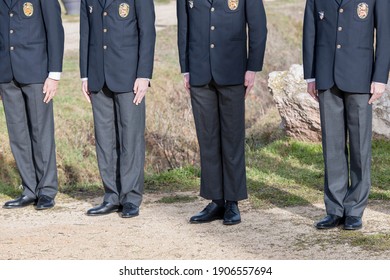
[
  {"x": 28, "y": 9},
  {"x": 233, "y": 4},
  {"x": 124, "y": 10},
  {"x": 362, "y": 10}
]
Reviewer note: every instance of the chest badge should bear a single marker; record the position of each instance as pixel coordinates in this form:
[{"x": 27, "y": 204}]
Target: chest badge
[
  {"x": 321, "y": 15},
  {"x": 191, "y": 3},
  {"x": 362, "y": 10},
  {"x": 124, "y": 10},
  {"x": 28, "y": 9},
  {"x": 233, "y": 4}
]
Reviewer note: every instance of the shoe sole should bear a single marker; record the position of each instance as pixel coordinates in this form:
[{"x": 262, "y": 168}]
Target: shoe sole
[
  {"x": 129, "y": 216},
  {"x": 16, "y": 207},
  {"x": 43, "y": 208},
  {"x": 102, "y": 214},
  {"x": 321, "y": 228},
  {"x": 205, "y": 222},
  {"x": 353, "y": 228},
  {"x": 231, "y": 223}
]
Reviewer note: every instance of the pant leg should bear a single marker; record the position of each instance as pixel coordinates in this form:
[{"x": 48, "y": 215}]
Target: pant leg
[
  {"x": 205, "y": 108},
  {"x": 41, "y": 124},
  {"x": 131, "y": 132},
  {"x": 332, "y": 113},
  {"x": 359, "y": 121},
  {"x": 232, "y": 119},
  {"x": 19, "y": 135},
  {"x": 104, "y": 116}
]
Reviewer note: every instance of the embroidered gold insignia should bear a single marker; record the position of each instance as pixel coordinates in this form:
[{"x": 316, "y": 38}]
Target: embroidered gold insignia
[
  {"x": 28, "y": 9},
  {"x": 362, "y": 10},
  {"x": 233, "y": 4},
  {"x": 124, "y": 10}
]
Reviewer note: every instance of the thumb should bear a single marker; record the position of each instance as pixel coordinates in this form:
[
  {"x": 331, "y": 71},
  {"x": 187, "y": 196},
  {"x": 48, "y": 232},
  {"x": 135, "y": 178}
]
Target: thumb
[{"x": 372, "y": 88}]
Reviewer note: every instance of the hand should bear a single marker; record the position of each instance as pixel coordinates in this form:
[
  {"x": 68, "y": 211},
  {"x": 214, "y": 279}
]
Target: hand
[
  {"x": 187, "y": 86},
  {"x": 140, "y": 88},
  {"x": 249, "y": 81},
  {"x": 377, "y": 90},
  {"x": 311, "y": 89},
  {"x": 49, "y": 89},
  {"x": 85, "y": 90}
]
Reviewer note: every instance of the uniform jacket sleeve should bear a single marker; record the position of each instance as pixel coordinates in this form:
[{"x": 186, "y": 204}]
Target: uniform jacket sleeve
[
  {"x": 51, "y": 12},
  {"x": 257, "y": 33},
  {"x": 147, "y": 37},
  {"x": 382, "y": 51},
  {"x": 84, "y": 39},
  {"x": 182, "y": 34},
  {"x": 309, "y": 39}
]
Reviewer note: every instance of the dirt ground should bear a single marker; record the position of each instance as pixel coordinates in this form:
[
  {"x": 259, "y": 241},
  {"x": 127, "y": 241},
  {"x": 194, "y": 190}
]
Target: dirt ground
[{"x": 162, "y": 231}]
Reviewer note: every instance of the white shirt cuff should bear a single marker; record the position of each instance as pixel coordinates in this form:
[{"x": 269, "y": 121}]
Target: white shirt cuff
[
  {"x": 310, "y": 80},
  {"x": 55, "y": 76},
  {"x": 186, "y": 73},
  {"x": 84, "y": 79},
  {"x": 145, "y": 79}
]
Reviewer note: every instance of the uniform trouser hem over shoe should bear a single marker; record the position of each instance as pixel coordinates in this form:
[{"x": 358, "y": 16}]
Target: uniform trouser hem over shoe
[
  {"x": 30, "y": 124},
  {"x": 346, "y": 118},
  {"x": 219, "y": 114},
  {"x": 120, "y": 145}
]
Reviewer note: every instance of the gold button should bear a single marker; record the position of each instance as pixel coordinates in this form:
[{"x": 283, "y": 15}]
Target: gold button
[
  {"x": 105, "y": 30},
  {"x": 11, "y": 14},
  {"x": 340, "y": 28},
  {"x": 105, "y": 14},
  {"x": 212, "y": 9},
  {"x": 339, "y": 46},
  {"x": 212, "y": 27},
  {"x": 105, "y": 47},
  {"x": 341, "y": 10},
  {"x": 212, "y": 46},
  {"x": 11, "y": 31},
  {"x": 11, "y": 48}
]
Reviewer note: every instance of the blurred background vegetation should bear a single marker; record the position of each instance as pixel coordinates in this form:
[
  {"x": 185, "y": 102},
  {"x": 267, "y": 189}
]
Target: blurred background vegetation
[{"x": 281, "y": 172}]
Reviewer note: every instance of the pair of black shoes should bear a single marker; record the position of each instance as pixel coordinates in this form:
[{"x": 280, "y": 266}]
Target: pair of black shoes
[
  {"x": 332, "y": 221},
  {"x": 128, "y": 210},
  {"x": 43, "y": 202},
  {"x": 229, "y": 213}
]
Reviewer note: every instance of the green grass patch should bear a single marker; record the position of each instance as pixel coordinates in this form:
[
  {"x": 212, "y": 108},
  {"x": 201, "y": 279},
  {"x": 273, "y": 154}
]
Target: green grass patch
[
  {"x": 371, "y": 242},
  {"x": 180, "y": 179},
  {"x": 177, "y": 199}
]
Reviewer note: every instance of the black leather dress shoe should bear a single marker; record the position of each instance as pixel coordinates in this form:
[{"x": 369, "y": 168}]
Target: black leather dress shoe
[
  {"x": 211, "y": 213},
  {"x": 330, "y": 221},
  {"x": 21, "y": 201},
  {"x": 44, "y": 202},
  {"x": 232, "y": 214},
  {"x": 129, "y": 210},
  {"x": 353, "y": 223},
  {"x": 103, "y": 209}
]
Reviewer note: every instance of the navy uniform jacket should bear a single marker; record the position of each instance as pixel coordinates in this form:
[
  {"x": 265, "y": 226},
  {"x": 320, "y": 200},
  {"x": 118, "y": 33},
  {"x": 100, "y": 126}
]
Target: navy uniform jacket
[
  {"x": 213, "y": 43},
  {"x": 31, "y": 40},
  {"x": 116, "y": 43},
  {"x": 338, "y": 43}
]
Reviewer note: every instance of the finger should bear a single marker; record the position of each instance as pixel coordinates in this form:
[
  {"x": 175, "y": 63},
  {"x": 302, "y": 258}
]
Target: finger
[
  {"x": 372, "y": 90},
  {"x": 45, "y": 99},
  {"x": 86, "y": 95}
]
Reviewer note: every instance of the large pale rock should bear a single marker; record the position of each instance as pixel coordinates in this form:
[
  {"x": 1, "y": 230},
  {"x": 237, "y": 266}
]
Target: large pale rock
[{"x": 300, "y": 112}]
